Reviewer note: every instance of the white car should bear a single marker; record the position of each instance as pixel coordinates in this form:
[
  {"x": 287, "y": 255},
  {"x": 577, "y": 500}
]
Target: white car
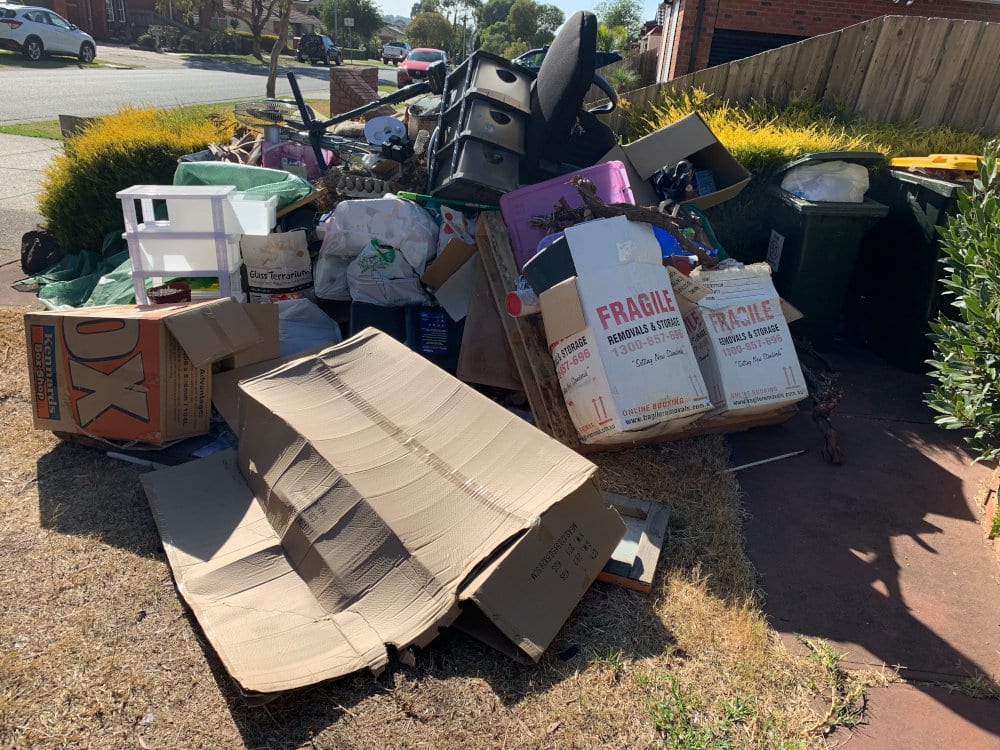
[{"x": 35, "y": 31}]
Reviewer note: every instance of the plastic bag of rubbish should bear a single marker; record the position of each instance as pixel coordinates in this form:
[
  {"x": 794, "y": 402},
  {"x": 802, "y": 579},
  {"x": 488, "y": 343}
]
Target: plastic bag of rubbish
[
  {"x": 382, "y": 275},
  {"x": 833, "y": 181},
  {"x": 396, "y": 223},
  {"x": 302, "y": 326}
]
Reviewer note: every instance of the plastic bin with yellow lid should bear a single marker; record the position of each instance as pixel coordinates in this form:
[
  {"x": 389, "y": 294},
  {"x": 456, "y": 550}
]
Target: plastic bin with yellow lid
[{"x": 960, "y": 162}]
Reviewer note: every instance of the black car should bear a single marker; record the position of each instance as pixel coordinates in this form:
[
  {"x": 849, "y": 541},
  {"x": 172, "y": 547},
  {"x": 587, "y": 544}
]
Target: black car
[
  {"x": 532, "y": 59},
  {"x": 319, "y": 48}
]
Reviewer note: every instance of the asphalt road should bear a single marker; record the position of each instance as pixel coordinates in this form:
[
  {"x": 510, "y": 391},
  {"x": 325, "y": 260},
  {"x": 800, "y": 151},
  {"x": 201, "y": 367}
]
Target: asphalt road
[{"x": 163, "y": 81}]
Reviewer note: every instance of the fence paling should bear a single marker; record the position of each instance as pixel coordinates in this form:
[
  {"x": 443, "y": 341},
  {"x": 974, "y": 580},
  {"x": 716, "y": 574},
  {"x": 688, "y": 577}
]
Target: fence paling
[{"x": 894, "y": 68}]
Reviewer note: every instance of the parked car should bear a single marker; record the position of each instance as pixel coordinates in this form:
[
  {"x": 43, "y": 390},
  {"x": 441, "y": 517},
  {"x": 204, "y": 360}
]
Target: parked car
[
  {"x": 35, "y": 32},
  {"x": 414, "y": 67},
  {"x": 319, "y": 48},
  {"x": 395, "y": 52},
  {"x": 532, "y": 59}
]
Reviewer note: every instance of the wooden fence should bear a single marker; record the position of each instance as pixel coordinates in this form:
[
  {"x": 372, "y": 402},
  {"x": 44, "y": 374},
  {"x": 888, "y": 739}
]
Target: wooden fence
[{"x": 890, "y": 69}]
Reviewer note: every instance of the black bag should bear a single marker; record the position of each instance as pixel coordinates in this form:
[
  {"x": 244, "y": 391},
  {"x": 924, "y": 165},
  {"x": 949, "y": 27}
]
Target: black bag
[{"x": 39, "y": 250}]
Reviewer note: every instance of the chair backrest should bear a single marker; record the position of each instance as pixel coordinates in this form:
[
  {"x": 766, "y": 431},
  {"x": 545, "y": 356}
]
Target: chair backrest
[{"x": 563, "y": 80}]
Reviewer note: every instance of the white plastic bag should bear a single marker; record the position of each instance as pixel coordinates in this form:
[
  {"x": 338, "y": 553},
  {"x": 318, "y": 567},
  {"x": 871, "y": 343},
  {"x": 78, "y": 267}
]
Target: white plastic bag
[
  {"x": 302, "y": 325},
  {"x": 382, "y": 275},
  {"x": 394, "y": 222},
  {"x": 331, "y": 278},
  {"x": 834, "y": 181}
]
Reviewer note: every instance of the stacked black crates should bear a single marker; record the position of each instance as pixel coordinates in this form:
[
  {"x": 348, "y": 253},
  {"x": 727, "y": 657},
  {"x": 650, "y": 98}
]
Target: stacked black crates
[{"x": 480, "y": 136}]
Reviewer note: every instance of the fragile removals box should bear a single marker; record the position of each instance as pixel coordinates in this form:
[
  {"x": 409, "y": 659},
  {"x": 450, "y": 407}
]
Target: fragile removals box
[
  {"x": 740, "y": 336},
  {"x": 129, "y": 373},
  {"x": 623, "y": 359},
  {"x": 376, "y": 499}
]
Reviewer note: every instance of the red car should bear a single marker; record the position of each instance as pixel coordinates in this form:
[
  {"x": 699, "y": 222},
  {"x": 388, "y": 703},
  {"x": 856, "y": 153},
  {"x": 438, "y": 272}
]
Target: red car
[{"x": 414, "y": 67}]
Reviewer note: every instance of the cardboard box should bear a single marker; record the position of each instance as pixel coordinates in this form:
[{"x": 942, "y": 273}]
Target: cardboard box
[
  {"x": 265, "y": 319},
  {"x": 454, "y": 255},
  {"x": 615, "y": 332},
  {"x": 691, "y": 139},
  {"x": 131, "y": 373},
  {"x": 740, "y": 337},
  {"x": 374, "y": 499}
]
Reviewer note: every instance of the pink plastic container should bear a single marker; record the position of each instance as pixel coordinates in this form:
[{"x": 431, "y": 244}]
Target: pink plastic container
[{"x": 518, "y": 206}]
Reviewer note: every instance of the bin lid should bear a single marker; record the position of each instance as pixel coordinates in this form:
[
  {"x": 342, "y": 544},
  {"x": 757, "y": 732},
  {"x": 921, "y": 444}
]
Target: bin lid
[
  {"x": 869, "y": 208},
  {"x": 960, "y": 162},
  {"x": 867, "y": 158}
]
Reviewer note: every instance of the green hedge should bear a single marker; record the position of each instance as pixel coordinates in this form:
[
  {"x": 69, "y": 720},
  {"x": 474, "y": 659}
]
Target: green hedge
[{"x": 131, "y": 147}]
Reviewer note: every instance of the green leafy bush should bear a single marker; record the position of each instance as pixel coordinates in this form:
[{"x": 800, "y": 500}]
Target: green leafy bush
[
  {"x": 966, "y": 360},
  {"x": 146, "y": 41},
  {"x": 131, "y": 147},
  {"x": 188, "y": 43}
]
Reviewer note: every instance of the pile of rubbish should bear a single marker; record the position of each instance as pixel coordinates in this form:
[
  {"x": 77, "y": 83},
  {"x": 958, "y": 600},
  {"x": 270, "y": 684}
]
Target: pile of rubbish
[{"x": 317, "y": 361}]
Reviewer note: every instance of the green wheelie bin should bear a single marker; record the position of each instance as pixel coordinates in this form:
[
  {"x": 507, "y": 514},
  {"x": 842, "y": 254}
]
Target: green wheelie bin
[
  {"x": 814, "y": 245},
  {"x": 896, "y": 289}
]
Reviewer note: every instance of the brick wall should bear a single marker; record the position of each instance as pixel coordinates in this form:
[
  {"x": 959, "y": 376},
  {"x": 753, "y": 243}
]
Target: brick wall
[
  {"x": 800, "y": 18},
  {"x": 353, "y": 87}
]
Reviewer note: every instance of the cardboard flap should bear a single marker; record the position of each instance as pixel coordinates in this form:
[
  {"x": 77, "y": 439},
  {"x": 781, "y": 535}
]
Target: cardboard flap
[
  {"x": 734, "y": 286},
  {"x": 572, "y": 535},
  {"x": 211, "y": 331},
  {"x": 685, "y": 287},
  {"x": 455, "y": 254},
  {"x": 562, "y": 313},
  {"x": 608, "y": 243},
  {"x": 652, "y": 152},
  {"x": 263, "y": 621}
]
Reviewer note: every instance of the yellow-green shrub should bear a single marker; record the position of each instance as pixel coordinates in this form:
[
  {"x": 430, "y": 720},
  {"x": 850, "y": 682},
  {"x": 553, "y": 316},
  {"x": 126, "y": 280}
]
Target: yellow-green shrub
[
  {"x": 131, "y": 147},
  {"x": 763, "y": 137}
]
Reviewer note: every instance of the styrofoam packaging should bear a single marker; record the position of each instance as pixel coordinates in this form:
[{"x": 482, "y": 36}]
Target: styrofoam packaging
[
  {"x": 624, "y": 361},
  {"x": 741, "y": 339}
]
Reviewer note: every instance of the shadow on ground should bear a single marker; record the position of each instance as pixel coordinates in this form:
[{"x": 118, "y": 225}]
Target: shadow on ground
[{"x": 883, "y": 556}]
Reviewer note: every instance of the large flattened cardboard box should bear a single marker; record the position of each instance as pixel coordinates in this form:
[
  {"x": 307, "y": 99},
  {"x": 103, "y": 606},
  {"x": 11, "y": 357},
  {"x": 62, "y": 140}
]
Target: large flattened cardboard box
[
  {"x": 740, "y": 337},
  {"x": 688, "y": 139},
  {"x": 129, "y": 373},
  {"x": 623, "y": 359},
  {"x": 374, "y": 500}
]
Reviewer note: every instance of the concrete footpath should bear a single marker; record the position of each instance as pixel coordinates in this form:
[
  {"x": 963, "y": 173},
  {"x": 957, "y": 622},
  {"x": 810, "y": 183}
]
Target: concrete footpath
[{"x": 884, "y": 556}]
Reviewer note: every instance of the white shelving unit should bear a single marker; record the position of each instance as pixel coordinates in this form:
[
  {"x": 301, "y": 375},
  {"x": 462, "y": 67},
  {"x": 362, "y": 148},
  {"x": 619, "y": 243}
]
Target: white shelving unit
[{"x": 178, "y": 246}]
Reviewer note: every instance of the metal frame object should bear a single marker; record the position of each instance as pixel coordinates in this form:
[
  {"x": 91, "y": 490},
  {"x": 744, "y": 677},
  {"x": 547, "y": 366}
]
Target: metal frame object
[{"x": 315, "y": 130}]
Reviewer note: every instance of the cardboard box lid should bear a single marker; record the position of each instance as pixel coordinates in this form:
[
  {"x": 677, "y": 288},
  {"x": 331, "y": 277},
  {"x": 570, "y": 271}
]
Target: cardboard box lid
[
  {"x": 384, "y": 486},
  {"x": 562, "y": 311},
  {"x": 210, "y": 331},
  {"x": 608, "y": 243}
]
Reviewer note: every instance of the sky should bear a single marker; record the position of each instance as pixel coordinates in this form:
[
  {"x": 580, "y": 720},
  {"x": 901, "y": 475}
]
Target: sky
[{"x": 569, "y": 7}]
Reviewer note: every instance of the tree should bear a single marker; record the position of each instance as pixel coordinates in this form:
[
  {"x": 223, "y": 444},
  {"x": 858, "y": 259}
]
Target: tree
[
  {"x": 256, "y": 14},
  {"x": 550, "y": 18},
  {"x": 611, "y": 38},
  {"x": 366, "y": 14},
  {"x": 279, "y": 45},
  {"x": 430, "y": 30},
  {"x": 494, "y": 11},
  {"x": 627, "y": 13}
]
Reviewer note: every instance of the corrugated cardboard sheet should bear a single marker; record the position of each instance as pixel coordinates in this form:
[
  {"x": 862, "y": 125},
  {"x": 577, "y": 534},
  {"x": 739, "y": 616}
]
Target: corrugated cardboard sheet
[{"x": 373, "y": 498}]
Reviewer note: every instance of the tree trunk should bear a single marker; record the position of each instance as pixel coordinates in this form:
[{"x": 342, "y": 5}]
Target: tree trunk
[{"x": 279, "y": 45}]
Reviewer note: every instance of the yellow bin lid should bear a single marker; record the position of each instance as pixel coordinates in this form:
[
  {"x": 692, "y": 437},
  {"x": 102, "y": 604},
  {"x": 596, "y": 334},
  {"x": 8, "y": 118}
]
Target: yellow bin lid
[{"x": 964, "y": 162}]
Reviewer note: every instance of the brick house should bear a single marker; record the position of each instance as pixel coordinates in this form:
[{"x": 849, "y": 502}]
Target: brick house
[{"x": 703, "y": 33}]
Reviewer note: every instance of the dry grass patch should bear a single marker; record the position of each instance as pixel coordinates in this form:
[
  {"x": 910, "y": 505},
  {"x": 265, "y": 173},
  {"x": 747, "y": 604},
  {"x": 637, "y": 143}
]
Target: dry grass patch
[{"x": 97, "y": 651}]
